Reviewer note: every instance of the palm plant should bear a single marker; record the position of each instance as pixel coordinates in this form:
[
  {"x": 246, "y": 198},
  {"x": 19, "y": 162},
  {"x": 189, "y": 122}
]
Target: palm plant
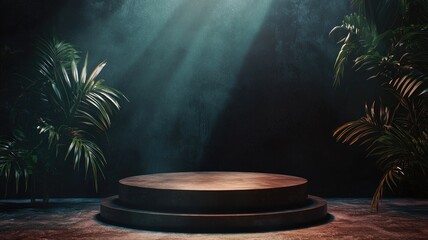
[
  {"x": 60, "y": 116},
  {"x": 394, "y": 51}
]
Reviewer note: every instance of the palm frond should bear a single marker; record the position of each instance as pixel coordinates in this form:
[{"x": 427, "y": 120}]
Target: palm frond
[
  {"x": 366, "y": 129},
  {"x": 81, "y": 149},
  {"x": 97, "y": 71},
  {"x": 390, "y": 178},
  {"x": 409, "y": 84},
  {"x": 55, "y": 55},
  {"x": 12, "y": 163},
  {"x": 342, "y": 58},
  {"x": 94, "y": 103},
  {"x": 53, "y": 134},
  {"x": 398, "y": 151},
  {"x": 358, "y": 35},
  {"x": 397, "y": 146},
  {"x": 69, "y": 108},
  {"x": 389, "y": 39}
]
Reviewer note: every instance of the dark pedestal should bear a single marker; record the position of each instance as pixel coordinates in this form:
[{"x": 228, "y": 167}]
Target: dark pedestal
[{"x": 213, "y": 202}]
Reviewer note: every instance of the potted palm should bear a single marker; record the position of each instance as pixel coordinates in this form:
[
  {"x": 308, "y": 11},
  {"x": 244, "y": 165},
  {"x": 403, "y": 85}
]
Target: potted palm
[
  {"x": 59, "y": 117},
  {"x": 389, "y": 40}
]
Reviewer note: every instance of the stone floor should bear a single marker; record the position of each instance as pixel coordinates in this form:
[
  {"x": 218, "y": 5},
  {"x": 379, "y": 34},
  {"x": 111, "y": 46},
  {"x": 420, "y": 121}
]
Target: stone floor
[{"x": 350, "y": 219}]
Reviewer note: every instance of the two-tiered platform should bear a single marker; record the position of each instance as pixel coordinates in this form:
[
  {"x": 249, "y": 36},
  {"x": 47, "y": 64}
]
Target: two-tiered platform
[{"x": 213, "y": 202}]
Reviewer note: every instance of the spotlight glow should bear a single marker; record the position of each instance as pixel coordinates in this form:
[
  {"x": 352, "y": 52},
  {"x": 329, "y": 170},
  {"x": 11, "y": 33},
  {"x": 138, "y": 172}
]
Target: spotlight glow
[{"x": 176, "y": 61}]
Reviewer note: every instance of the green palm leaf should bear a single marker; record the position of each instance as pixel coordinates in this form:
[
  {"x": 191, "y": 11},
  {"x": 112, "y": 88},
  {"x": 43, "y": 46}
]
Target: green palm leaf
[
  {"x": 12, "y": 163},
  {"x": 359, "y": 34},
  {"x": 389, "y": 40},
  {"x": 67, "y": 112},
  {"x": 54, "y": 55},
  {"x": 94, "y": 102},
  {"x": 398, "y": 152},
  {"x": 88, "y": 109},
  {"x": 400, "y": 147},
  {"x": 87, "y": 151}
]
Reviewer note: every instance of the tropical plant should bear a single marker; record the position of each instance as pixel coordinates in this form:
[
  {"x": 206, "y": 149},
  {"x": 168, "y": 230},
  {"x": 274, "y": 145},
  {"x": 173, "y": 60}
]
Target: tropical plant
[
  {"x": 389, "y": 39},
  {"x": 60, "y": 116}
]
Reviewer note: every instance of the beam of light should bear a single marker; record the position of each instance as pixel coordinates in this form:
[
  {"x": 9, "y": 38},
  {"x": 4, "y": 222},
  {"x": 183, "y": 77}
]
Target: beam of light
[
  {"x": 177, "y": 61},
  {"x": 199, "y": 88},
  {"x": 123, "y": 35}
]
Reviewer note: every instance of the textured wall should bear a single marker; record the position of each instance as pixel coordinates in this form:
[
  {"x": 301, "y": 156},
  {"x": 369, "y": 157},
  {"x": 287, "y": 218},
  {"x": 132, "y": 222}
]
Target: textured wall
[{"x": 223, "y": 85}]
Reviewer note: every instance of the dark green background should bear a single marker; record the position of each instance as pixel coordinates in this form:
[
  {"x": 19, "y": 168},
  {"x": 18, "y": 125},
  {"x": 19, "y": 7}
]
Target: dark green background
[{"x": 242, "y": 85}]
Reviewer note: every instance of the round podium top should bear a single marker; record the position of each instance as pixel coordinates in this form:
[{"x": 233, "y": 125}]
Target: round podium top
[{"x": 213, "y": 181}]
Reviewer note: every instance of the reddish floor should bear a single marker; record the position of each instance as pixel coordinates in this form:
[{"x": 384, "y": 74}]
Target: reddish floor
[{"x": 351, "y": 219}]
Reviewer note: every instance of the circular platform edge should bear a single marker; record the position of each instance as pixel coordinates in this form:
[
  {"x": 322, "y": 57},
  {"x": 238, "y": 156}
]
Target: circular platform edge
[
  {"x": 283, "y": 196},
  {"x": 113, "y": 213}
]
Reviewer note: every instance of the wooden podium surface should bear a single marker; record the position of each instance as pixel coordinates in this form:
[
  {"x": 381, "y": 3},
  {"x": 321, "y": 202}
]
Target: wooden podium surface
[{"x": 213, "y": 202}]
